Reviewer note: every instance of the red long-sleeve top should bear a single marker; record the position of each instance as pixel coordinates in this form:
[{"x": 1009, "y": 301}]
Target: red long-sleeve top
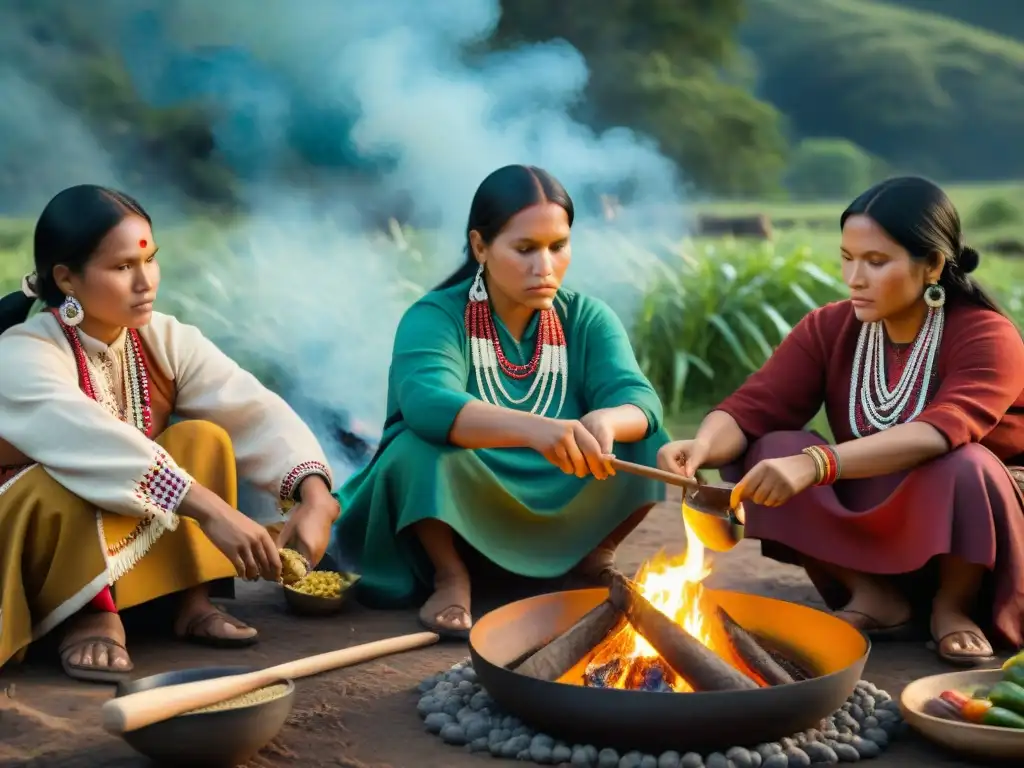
[{"x": 977, "y": 391}]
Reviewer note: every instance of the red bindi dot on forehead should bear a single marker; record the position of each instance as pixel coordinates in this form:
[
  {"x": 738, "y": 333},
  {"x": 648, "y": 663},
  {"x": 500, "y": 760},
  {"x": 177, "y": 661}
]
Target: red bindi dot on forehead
[{"x": 143, "y": 243}]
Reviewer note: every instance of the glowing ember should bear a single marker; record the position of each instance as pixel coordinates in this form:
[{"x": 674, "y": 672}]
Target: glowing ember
[{"x": 673, "y": 586}]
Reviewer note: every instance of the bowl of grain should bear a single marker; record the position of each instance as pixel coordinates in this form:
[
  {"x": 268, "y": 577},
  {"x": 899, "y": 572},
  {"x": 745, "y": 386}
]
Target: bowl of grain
[
  {"x": 219, "y": 736},
  {"x": 319, "y": 593}
]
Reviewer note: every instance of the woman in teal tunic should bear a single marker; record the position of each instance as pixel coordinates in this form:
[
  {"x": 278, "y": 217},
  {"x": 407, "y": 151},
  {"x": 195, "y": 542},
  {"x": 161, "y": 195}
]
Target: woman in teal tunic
[{"x": 505, "y": 393}]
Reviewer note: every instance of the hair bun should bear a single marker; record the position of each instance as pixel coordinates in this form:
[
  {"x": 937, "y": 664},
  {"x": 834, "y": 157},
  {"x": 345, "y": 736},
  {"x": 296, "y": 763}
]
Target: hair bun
[{"x": 968, "y": 260}]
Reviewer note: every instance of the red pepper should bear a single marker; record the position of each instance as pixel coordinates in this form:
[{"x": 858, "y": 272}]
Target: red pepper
[
  {"x": 972, "y": 710},
  {"x": 955, "y": 698}
]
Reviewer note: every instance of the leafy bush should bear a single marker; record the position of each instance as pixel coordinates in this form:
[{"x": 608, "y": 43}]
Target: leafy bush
[
  {"x": 829, "y": 168},
  {"x": 718, "y": 313},
  {"x": 995, "y": 212}
]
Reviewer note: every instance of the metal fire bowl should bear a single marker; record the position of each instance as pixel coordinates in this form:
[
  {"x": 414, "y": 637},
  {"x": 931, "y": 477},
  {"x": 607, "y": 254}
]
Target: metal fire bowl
[{"x": 657, "y": 722}]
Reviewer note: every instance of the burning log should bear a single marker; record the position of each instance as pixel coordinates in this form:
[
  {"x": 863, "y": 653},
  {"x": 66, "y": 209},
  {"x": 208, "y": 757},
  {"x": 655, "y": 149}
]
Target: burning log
[
  {"x": 797, "y": 669},
  {"x": 701, "y": 667},
  {"x": 563, "y": 653},
  {"x": 751, "y": 653}
]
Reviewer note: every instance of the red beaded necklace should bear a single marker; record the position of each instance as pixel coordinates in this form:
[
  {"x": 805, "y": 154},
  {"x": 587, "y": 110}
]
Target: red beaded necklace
[
  {"x": 549, "y": 364},
  {"x": 136, "y": 379}
]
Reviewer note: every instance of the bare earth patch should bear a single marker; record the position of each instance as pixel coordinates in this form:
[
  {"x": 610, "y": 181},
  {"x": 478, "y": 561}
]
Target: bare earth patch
[{"x": 365, "y": 717}]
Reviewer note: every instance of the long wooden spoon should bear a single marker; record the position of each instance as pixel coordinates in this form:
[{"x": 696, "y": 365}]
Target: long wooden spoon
[{"x": 136, "y": 710}]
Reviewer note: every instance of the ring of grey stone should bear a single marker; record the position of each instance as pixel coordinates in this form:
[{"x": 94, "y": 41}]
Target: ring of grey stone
[{"x": 454, "y": 706}]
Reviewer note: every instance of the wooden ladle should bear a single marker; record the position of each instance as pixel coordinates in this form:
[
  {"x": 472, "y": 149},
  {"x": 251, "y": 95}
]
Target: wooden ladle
[{"x": 707, "y": 507}]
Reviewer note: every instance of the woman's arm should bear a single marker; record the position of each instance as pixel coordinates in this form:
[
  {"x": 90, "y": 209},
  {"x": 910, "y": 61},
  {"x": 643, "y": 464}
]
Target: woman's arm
[
  {"x": 722, "y": 438},
  {"x": 482, "y": 425},
  {"x": 628, "y": 423},
  {"x": 895, "y": 449},
  {"x": 431, "y": 374},
  {"x": 273, "y": 447}
]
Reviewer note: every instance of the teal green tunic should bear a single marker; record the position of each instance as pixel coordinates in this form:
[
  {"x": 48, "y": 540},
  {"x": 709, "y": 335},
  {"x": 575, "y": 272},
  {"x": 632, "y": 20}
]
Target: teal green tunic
[{"x": 510, "y": 504}]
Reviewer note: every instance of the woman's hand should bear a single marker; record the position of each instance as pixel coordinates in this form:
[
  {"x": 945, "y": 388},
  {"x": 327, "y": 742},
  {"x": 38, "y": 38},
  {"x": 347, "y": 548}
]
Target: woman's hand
[
  {"x": 683, "y": 457},
  {"x": 246, "y": 543},
  {"x": 570, "y": 446},
  {"x": 309, "y": 523},
  {"x": 773, "y": 482},
  {"x": 601, "y": 425}
]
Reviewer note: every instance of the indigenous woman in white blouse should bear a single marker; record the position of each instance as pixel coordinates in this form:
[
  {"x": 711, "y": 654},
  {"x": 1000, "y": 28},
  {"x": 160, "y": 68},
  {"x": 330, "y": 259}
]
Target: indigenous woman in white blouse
[{"x": 103, "y": 504}]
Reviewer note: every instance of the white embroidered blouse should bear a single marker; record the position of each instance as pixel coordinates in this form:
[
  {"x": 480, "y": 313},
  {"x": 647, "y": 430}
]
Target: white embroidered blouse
[{"x": 108, "y": 461}]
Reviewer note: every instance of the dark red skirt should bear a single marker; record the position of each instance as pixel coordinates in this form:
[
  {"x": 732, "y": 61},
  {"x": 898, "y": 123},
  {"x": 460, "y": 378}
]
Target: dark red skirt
[{"x": 964, "y": 503}]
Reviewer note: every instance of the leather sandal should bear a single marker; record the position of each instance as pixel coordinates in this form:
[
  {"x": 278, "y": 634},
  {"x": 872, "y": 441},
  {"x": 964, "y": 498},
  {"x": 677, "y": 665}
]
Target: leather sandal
[
  {"x": 198, "y": 631},
  {"x": 981, "y": 653},
  {"x": 93, "y": 673}
]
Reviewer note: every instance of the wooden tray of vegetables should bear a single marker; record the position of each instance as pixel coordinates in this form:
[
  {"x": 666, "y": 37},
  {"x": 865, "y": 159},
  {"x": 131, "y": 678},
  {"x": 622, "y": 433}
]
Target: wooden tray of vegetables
[{"x": 979, "y": 713}]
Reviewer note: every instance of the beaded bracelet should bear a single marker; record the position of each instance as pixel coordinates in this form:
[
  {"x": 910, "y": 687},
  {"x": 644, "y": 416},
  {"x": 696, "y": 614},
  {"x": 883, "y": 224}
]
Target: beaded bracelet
[{"x": 826, "y": 461}]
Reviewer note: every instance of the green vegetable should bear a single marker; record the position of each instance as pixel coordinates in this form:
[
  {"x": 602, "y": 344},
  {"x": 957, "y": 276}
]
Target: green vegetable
[
  {"x": 1008, "y": 695},
  {"x": 1002, "y": 718},
  {"x": 1014, "y": 675},
  {"x": 1014, "y": 661}
]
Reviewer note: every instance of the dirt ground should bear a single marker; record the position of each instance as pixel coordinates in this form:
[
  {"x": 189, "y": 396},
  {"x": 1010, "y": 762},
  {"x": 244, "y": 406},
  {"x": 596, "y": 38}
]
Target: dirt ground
[{"x": 366, "y": 717}]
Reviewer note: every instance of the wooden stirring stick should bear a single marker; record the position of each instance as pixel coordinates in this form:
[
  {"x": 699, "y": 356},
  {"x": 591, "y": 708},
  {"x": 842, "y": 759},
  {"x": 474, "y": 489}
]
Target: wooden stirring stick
[
  {"x": 136, "y": 710},
  {"x": 670, "y": 478}
]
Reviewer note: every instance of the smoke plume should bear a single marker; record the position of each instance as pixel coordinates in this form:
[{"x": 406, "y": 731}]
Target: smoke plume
[{"x": 327, "y": 109}]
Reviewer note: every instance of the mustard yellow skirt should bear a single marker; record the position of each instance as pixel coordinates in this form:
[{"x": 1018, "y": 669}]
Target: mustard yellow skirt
[{"x": 58, "y": 552}]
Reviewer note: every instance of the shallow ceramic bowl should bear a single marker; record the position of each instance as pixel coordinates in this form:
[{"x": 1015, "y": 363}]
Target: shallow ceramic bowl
[
  {"x": 312, "y": 605},
  {"x": 984, "y": 742},
  {"x": 218, "y": 739}
]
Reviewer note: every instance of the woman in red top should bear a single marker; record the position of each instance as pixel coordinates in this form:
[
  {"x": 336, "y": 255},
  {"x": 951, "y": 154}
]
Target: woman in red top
[{"x": 913, "y": 513}]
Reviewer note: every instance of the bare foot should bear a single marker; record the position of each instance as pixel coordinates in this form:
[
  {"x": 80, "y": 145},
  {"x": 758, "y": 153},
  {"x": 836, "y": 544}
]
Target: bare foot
[
  {"x": 447, "y": 610},
  {"x": 958, "y": 640},
  {"x": 93, "y": 648},
  {"x": 200, "y": 621}
]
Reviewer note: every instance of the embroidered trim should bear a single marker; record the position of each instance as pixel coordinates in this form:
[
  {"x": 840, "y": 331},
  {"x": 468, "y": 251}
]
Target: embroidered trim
[
  {"x": 125, "y": 554},
  {"x": 294, "y": 478},
  {"x": 10, "y": 475},
  {"x": 164, "y": 485}
]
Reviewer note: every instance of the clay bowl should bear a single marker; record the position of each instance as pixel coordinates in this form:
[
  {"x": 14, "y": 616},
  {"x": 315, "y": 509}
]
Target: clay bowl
[
  {"x": 982, "y": 742},
  {"x": 219, "y": 739},
  {"x": 313, "y": 605},
  {"x": 656, "y": 722},
  {"x": 703, "y": 514}
]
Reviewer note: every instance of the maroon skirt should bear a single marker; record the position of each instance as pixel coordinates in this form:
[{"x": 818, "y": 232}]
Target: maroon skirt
[{"x": 964, "y": 503}]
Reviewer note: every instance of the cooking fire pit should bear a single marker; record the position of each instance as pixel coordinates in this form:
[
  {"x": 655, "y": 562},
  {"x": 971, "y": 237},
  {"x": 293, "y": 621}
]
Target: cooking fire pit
[{"x": 663, "y": 663}]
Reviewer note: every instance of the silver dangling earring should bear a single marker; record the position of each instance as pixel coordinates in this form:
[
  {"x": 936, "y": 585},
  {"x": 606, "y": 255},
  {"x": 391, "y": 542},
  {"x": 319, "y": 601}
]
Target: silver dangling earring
[
  {"x": 478, "y": 290},
  {"x": 935, "y": 296},
  {"x": 71, "y": 313}
]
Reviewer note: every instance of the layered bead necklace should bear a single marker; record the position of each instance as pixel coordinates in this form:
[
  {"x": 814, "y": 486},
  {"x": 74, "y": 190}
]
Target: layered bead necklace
[
  {"x": 134, "y": 376},
  {"x": 549, "y": 365},
  {"x": 874, "y": 406}
]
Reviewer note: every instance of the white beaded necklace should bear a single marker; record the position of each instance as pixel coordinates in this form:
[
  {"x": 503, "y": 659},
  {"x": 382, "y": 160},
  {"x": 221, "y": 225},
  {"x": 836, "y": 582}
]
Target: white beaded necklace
[{"x": 869, "y": 386}]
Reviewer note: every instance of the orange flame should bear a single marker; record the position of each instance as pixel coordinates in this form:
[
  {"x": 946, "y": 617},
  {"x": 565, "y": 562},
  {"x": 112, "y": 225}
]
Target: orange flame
[{"x": 673, "y": 586}]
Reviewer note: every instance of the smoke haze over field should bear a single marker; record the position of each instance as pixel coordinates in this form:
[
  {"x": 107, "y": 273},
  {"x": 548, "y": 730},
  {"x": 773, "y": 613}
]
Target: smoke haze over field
[{"x": 303, "y": 91}]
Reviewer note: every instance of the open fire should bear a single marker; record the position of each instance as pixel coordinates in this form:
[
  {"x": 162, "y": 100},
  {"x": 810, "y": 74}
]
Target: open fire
[
  {"x": 673, "y": 586},
  {"x": 662, "y": 632}
]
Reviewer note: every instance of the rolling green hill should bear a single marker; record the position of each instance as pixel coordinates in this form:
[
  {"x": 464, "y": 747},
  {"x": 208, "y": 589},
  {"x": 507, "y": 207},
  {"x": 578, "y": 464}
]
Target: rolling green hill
[
  {"x": 923, "y": 91},
  {"x": 1005, "y": 17}
]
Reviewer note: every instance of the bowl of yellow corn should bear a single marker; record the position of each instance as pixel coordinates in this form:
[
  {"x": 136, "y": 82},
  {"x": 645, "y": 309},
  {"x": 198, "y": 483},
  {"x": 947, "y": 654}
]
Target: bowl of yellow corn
[{"x": 310, "y": 592}]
